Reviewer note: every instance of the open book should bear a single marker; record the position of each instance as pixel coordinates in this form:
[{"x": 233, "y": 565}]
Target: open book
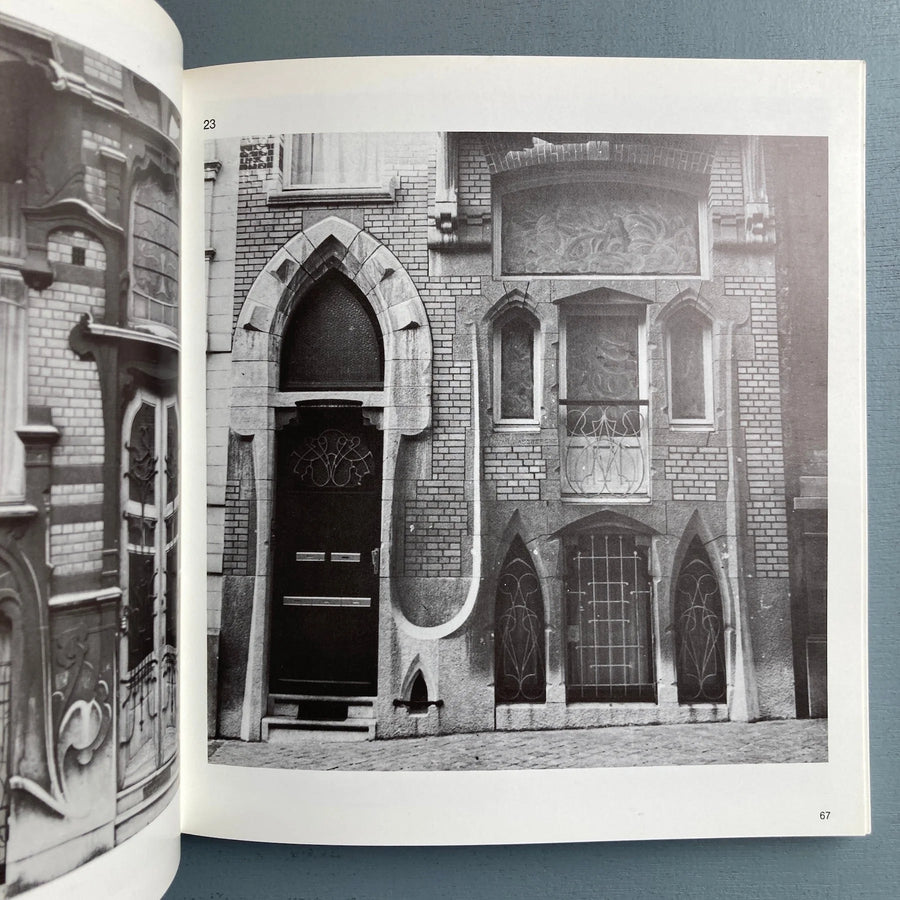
[{"x": 512, "y": 488}]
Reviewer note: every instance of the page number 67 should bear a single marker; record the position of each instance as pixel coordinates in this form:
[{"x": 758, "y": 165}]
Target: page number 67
[
  {"x": 209, "y": 124},
  {"x": 825, "y": 814}
]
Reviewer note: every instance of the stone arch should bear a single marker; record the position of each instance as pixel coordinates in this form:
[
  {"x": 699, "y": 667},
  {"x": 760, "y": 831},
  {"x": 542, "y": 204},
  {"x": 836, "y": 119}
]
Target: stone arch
[
  {"x": 336, "y": 245},
  {"x": 418, "y": 668}
]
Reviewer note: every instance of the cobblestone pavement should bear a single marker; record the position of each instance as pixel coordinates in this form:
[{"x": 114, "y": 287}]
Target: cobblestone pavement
[{"x": 795, "y": 741}]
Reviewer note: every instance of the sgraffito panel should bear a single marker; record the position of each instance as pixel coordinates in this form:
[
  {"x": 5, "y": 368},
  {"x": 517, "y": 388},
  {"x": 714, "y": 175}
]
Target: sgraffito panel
[{"x": 599, "y": 229}]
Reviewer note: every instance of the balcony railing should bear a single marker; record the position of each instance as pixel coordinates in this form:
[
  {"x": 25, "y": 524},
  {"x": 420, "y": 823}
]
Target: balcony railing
[{"x": 604, "y": 448}]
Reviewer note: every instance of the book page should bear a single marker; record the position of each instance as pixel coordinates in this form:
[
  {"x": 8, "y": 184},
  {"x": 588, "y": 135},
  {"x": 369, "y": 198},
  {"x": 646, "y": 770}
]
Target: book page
[
  {"x": 90, "y": 101},
  {"x": 535, "y": 502}
]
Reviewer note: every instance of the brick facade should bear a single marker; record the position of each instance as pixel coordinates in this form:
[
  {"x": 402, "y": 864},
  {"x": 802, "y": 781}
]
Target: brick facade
[{"x": 458, "y": 493}]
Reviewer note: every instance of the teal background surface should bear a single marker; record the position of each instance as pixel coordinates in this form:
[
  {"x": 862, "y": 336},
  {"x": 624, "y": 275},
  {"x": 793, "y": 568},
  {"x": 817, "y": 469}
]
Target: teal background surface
[{"x": 223, "y": 31}]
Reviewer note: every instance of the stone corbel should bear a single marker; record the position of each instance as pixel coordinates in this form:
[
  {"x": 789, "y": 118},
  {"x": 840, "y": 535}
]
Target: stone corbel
[
  {"x": 759, "y": 224},
  {"x": 445, "y": 213}
]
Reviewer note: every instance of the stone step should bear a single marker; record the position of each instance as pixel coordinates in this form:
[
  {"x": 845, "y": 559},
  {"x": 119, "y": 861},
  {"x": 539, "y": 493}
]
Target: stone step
[{"x": 286, "y": 730}]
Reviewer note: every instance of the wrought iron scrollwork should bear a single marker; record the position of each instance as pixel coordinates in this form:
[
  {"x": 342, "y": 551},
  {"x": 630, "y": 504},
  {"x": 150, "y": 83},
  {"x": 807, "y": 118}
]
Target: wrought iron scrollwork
[
  {"x": 699, "y": 635},
  {"x": 605, "y": 448},
  {"x": 520, "y": 675},
  {"x": 333, "y": 459}
]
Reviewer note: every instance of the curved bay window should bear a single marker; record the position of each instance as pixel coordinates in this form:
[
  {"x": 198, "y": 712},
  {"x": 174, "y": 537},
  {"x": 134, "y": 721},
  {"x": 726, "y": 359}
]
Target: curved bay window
[
  {"x": 147, "y": 712},
  {"x": 609, "y": 638},
  {"x": 516, "y": 369},
  {"x": 154, "y": 253},
  {"x": 604, "y": 422},
  {"x": 699, "y": 630},
  {"x": 689, "y": 357},
  {"x": 332, "y": 341},
  {"x": 519, "y": 669}
]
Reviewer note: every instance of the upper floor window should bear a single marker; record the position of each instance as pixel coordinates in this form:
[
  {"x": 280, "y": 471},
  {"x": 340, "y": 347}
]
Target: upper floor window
[
  {"x": 516, "y": 369},
  {"x": 154, "y": 253},
  {"x": 331, "y": 159},
  {"x": 604, "y": 402},
  {"x": 689, "y": 357}
]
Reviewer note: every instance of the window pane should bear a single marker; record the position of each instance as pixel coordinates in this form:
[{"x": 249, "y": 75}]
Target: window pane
[
  {"x": 687, "y": 367},
  {"x": 517, "y": 370},
  {"x": 338, "y": 159},
  {"x": 602, "y": 358},
  {"x": 142, "y": 461},
  {"x": 154, "y": 253},
  {"x": 332, "y": 341}
]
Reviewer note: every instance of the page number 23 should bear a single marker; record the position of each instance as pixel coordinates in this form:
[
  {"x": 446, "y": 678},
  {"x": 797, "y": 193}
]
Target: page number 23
[{"x": 209, "y": 124}]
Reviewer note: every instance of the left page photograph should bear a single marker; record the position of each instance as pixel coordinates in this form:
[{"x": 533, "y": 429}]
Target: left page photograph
[{"x": 90, "y": 177}]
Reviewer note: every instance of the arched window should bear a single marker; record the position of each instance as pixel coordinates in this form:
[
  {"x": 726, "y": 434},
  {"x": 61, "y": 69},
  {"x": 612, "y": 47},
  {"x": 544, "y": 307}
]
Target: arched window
[
  {"x": 516, "y": 369},
  {"x": 519, "y": 669},
  {"x": 699, "y": 630},
  {"x": 154, "y": 253},
  {"x": 332, "y": 341},
  {"x": 689, "y": 355}
]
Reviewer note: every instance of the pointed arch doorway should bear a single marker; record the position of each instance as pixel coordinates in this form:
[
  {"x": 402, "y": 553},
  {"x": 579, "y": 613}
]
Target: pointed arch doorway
[{"x": 327, "y": 525}]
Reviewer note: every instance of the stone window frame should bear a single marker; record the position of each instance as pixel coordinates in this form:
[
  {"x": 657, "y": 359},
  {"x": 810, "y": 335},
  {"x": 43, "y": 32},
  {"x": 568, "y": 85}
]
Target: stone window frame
[
  {"x": 291, "y": 193},
  {"x": 587, "y": 305},
  {"x": 695, "y": 316},
  {"x": 506, "y": 316}
]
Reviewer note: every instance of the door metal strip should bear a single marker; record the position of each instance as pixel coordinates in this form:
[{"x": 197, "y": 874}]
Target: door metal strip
[{"x": 359, "y": 602}]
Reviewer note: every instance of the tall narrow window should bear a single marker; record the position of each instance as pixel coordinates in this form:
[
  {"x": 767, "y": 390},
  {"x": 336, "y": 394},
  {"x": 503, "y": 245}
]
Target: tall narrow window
[
  {"x": 609, "y": 646},
  {"x": 154, "y": 253},
  {"x": 516, "y": 370},
  {"x": 519, "y": 670},
  {"x": 147, "y": 712},
  {"x": 604, "y": 425},
  {"x": 699, "y": 630},
  {"x": 689, "y": 353}
]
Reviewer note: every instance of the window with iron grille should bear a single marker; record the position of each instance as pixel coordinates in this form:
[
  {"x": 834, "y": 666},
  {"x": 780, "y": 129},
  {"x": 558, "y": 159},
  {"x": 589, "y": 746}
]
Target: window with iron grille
[{"x": 609, "y": 626}]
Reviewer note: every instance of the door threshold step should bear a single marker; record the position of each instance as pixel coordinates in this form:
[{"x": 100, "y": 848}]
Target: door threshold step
[
  {"x": 284, "y": 730},
  {"x": 324, "y": 698}
]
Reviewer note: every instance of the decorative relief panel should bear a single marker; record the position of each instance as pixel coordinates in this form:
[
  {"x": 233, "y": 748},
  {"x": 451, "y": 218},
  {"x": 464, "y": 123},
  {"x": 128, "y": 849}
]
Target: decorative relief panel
[{"x": 599, "y": 229}]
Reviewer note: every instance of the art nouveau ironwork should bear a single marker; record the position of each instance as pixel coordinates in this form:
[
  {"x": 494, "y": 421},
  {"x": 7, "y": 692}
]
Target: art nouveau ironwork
[
  {"x": 520, "y": 674},
  {"x": 699, "y": 631},
  {"x": 609, "y": 647},
  {"x": 603, "y": 419},
  {"x": 332, "y": 458}
]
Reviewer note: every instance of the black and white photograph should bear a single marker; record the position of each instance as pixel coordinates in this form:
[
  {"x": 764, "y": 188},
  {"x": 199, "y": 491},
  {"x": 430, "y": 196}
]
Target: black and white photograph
[
  {"x": 517, "y": 449},
  {"x": 89, "y": 425}
]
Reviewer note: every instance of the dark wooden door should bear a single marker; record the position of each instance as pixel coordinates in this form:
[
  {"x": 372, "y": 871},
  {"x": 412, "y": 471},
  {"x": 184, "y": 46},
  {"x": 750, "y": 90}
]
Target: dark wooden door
[{"x": 324, "y": 638}]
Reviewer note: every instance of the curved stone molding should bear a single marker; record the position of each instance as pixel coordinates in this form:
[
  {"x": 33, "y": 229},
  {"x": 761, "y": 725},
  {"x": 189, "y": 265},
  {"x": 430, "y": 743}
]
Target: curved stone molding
[{"x": 335, "y": 244}]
